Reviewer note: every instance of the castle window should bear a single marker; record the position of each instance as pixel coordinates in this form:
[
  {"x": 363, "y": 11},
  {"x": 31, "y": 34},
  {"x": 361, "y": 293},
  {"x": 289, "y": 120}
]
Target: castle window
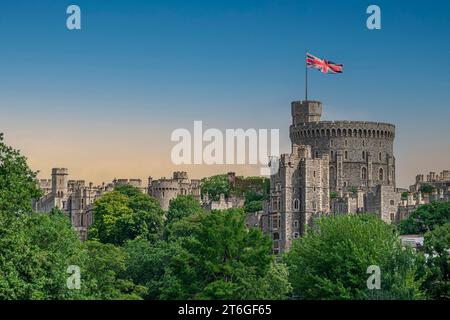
[
  {"x": 317, "y": 154},
  {"x": 379, "y": 156},
  {"x": 381, "y": 174},
  {"x": 332, "y": 155},
  {"x": 364, "y": 143},
  {"x": 364, "y": 155},
  {"x": 332, "y": 175},
  {"x": 296, "y": 205},
  {"x": 364, "y": 173},
  {"x": 296, "y": 235},
  {"x": 392, "y": 216},
  {"x": 314, "y": 174},
  {"x": 314, "y": 205},
  {"x": 295, "y": 223},
  {"x": 276, "y": 236},
  {"x": 275, "y": 223},
  {"x": 346, "y": 143},
  {"x": 392, "y": 202},
  {"x": 346, "y": 155}
]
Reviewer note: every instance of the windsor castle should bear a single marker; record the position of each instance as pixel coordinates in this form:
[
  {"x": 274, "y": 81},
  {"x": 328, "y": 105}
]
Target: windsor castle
[{"x": 334, "y": 167}]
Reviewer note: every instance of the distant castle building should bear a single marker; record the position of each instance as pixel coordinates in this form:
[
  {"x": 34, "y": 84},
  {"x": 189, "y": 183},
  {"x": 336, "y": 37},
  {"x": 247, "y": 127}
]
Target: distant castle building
[
  {"x": 351, "y": 160},
  {"x": 164, "y": 190},
  {"x": 74, "y": 197}
]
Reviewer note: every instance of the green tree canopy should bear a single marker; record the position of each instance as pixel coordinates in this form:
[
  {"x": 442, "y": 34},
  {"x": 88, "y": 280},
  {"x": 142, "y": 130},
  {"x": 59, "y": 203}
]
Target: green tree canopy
[
  {"x": 18, "y": 184},
  {"x": 331, "y": 261},
  {"x": 215, "y": 186},
  {"x": 35, "y": 252},
  {"x": 104, "y": 274},
  {"x": 182, "y": 207},
  {"x": 253, "y": 206},
  {"x": 128, "y": 190},
  {"x": 426, "y": 188},
  {"x": 437, "y": 270},
  {"x": 218, "y": 259},
  {"x": 119, "y": 217},
  {"x": 426, "y": 217}
]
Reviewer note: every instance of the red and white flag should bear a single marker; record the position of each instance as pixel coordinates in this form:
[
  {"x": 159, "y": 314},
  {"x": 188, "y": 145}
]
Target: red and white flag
[{"x": 323, "y": 65}]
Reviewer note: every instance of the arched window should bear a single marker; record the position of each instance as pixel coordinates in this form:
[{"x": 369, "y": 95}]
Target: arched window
[
  {"x": 364, "y": 173},
  {"x": 381, "y": 174}
]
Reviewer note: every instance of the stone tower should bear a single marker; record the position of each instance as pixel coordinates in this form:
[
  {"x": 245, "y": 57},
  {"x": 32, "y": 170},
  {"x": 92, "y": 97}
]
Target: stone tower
[
  {"x": 327, "y": 156},
  {"x": 60, "y": 182},
  {"x": 361, "y": 153},
  {"x": 299, "y": 192}
]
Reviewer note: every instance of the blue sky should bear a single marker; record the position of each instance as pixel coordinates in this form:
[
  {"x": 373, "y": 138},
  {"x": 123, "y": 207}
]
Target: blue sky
[{"x": 140, "y": 69}]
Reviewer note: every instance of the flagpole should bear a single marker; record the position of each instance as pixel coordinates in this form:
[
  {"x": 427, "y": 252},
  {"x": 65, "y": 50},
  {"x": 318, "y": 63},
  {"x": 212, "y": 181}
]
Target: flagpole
[{"x": 306, "y": 76}]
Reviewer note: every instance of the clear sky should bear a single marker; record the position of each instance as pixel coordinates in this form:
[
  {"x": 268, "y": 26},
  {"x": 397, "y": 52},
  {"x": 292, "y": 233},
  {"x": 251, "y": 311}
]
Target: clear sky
[{"x": 104, "y": 100}]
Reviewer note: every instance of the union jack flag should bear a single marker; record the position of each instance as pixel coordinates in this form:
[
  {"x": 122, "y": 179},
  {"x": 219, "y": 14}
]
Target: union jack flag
[{"x": 323, "y": 65}]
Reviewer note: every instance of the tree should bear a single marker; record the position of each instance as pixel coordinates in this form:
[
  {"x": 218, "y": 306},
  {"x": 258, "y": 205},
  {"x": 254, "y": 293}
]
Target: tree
[
  {"x": 215, "y": 186},
  {"x": 153, "y": 266},
  {"x": 18, "y": 184},
  {"x": 104, "y": 274},
  {"x": 437, "y": 270},
  {"x": 210, "y": 256},
  {"x": 182, "y": 207},
  {"x": 426, "y": 188},
  {"x": 253, "y": 206},
  {"x": 331, "y": 261},
  {"x": 128, "y": 190},
  {"x": 426, "y": 217},
  {"x": 35, "y": 252},
  {"x": 119, "y": 217},
  {"x": 35, "y": 249},
  {"x": 224, "y": 255}
]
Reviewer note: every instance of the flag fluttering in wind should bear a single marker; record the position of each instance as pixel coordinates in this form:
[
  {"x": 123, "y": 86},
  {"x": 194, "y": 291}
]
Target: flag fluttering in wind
[{"x": 323, "y": 65}]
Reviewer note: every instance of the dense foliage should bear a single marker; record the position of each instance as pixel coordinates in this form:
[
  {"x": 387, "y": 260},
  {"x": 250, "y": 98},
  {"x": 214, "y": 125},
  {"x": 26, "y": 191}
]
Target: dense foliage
[
  {"x": 124, "y": 215},
  {"x": 437, "y": 271},
  {"x": 427, "y": 217},
  {"x": 331, "y": 261},
  {"x": 217, "y": 259}
]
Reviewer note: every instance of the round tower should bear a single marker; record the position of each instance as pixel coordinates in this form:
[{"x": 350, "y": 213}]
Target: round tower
[{"x": 361, "y": 153}]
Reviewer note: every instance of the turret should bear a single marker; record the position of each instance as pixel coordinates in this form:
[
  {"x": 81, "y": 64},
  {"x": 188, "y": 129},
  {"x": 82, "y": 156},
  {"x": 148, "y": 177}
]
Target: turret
[
  {"x": 306, "y": 111},
  {"x": 59, "y": 182}
]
